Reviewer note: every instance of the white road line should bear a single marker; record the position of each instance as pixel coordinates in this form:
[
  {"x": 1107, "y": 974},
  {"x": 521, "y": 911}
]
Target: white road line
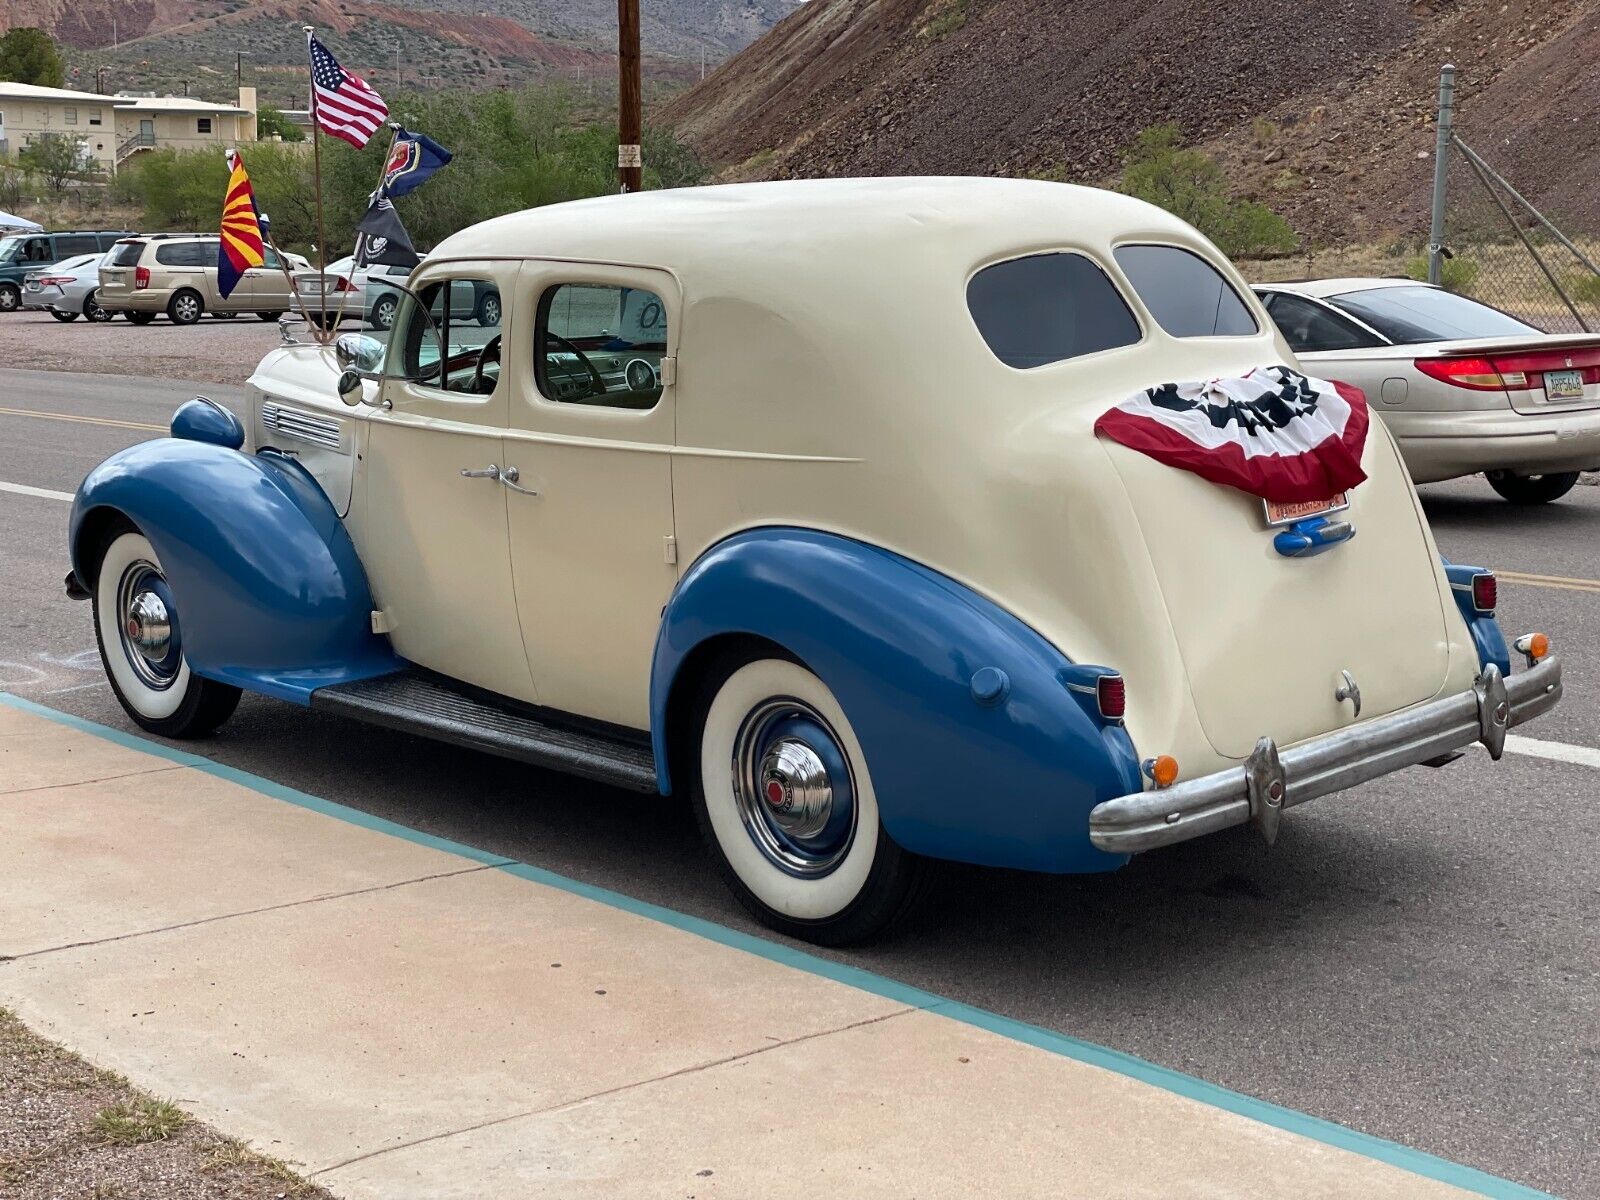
[
  {"x": 23, "y": 489},
  {"x": 1583, "y": 756}
]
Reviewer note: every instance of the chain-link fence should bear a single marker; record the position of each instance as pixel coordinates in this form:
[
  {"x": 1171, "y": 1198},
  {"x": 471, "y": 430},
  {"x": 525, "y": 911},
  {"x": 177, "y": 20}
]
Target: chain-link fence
[{"x": 1500, "y": 251}]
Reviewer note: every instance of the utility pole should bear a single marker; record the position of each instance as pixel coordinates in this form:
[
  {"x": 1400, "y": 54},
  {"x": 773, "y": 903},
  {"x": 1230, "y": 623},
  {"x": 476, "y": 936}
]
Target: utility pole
[
  {"x": 630, "y": 100},
  {"x": 398, "y": 78},
  {"x": 238, "y": 69},
  {"x": 1441, "y": 169}
]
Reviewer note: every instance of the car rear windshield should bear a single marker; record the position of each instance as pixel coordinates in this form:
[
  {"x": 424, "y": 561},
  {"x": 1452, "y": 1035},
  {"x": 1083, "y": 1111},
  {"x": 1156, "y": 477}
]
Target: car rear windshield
[
  {"x": 125, "y": 254},
  {"x": 1186, "y": 295},
  {"x": 1049, "y": 307},
  {"x": 1408, "y": 315}
]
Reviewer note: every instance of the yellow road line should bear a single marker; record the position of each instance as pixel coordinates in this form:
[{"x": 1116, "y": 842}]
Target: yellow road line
[
  {"x": 52, "y": 416},
  {"x": 1550, "y": 581}
]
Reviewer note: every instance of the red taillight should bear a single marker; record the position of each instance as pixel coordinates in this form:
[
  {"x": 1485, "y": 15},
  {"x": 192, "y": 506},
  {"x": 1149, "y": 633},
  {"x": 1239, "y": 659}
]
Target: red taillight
[
  {"x": 1485, "y": 591},
  {"x": 1477, "y": 374},
  {"x": 341, "y": 284},
  {"x": 141, "y": 277},
  {"x": 1516, "y": 370},
  {"x": 1111, "y": 695},
  {"x": 53, "y": 280}
]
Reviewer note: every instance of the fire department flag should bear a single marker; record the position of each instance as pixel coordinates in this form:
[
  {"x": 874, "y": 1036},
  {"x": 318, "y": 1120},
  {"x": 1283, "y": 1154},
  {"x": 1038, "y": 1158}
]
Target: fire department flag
[
  {"x": 1274, "y": 433},
  {"x": 241, "y": 229}
]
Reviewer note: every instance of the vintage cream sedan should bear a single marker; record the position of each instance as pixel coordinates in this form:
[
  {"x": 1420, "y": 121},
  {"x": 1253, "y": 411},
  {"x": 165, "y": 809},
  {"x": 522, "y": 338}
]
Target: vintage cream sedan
[{"x": 787, "y": 498}]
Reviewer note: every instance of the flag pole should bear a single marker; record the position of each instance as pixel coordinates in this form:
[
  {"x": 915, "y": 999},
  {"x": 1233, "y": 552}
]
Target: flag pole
[
  {"x": 344, "y": 297},
  {"x": 321, "y": 335}
]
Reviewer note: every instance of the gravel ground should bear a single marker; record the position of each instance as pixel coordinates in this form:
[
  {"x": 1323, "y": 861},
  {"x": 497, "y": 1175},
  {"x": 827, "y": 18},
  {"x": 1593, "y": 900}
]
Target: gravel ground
[
  {"x": 71, "y": 1130},
  {"x": 216, "y": 350}
]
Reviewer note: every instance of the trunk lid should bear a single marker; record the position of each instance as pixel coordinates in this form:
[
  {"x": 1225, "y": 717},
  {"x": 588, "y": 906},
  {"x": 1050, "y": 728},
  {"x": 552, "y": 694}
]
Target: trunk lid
[{"x": 1264, "y": 638}]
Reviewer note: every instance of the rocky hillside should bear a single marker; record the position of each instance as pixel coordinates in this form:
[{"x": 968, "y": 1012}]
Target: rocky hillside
[
  {"x": 1323, "y": 111},
  {"x": 475, "y": 43}
]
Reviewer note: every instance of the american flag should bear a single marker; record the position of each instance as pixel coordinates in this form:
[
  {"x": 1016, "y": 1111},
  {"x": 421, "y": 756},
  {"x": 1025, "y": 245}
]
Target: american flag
[{"x": 345, "y": 104}]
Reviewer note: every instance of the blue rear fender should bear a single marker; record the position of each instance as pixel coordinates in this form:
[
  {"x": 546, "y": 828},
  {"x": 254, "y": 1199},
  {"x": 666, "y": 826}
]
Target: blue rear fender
[
  {"x": 958, "y": 773},
  {"x": 270, "y": 589}
]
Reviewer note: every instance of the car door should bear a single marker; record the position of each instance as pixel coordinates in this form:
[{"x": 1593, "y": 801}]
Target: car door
[
  {"x": 266, "y": 287},
  {"x": 1331, "y": 345},
  {"x": 432, "y": 529},
  {"x": 591, "y": 438}
]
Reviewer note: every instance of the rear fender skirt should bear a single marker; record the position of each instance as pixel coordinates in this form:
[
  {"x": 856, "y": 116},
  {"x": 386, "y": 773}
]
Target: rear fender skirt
[
  {"x": 996, "y": 770},
  {"x": 272, "y": 593}
]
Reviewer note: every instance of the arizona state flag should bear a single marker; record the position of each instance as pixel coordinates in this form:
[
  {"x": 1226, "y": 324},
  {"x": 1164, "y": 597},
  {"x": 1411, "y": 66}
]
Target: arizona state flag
[{"x": 241, "y": 229}]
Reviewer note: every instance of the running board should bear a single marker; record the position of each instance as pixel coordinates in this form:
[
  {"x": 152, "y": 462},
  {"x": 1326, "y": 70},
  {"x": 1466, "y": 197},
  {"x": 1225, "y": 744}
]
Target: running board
[{"x": 422, "y": 704}]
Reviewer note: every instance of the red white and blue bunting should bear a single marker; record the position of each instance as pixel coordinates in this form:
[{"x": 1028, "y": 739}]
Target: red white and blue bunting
[{"x": 1274, "y": 433}]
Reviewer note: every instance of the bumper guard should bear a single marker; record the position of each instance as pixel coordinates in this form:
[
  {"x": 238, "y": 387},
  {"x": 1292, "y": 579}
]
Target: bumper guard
[{"x": 1272, "y": 780}]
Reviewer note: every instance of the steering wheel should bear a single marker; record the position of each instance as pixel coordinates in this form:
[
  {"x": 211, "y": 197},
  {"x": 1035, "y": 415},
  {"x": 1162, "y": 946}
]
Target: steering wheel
[
  {"x": 597, "y": 385},
  {"x": 490, "y": 348}
]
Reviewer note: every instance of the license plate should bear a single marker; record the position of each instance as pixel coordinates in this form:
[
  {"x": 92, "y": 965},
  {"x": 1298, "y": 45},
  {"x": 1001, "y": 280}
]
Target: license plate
[
  {"x": 1300, "y": 510},
  {"x": 1563, "y": 385}
]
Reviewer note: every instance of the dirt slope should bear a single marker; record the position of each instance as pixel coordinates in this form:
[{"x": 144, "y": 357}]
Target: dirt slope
[{"x": 1014, "y": 86}]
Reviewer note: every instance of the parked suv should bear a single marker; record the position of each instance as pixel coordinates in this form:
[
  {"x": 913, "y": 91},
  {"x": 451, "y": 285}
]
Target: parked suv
[
  {"x": 24, "y": 253},
  {"x": 176, "y": 274}
]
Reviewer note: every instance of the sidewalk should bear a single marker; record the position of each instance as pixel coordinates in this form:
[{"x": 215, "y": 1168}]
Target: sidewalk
[{"x": 406, "y": 1017}]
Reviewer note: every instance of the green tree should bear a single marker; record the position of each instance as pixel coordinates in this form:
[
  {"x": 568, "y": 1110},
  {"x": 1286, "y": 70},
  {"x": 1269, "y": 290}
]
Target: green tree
[
  {"x": 55, "y": 156},
  {"x": 270, "y": 122},
  {"x": 29, "y": 55},
  {"x": 1189, "y": 184}
]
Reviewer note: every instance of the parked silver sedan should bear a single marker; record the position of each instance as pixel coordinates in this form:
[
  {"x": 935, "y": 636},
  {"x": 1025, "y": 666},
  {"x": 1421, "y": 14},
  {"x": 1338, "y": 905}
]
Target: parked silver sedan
[
  {"x": 1464, "y": 388},
  {"x": 67, "y": 290}
]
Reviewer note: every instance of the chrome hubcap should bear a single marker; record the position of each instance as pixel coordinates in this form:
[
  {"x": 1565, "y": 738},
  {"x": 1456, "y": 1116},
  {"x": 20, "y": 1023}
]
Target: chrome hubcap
[
  {"x": 149, "y": 627},
  {"x": 794, "y": 787}
]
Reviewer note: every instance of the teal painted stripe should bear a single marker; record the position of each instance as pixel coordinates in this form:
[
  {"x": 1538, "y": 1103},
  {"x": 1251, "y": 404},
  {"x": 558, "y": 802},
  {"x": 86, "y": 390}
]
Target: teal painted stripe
[{"x": 1291, "y": 1121}]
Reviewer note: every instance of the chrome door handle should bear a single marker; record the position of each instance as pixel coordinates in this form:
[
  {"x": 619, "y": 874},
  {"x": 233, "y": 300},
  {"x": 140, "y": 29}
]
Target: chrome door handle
[
  {"x": 490, "y": 472},
  {"x": 510, "y": 476}
]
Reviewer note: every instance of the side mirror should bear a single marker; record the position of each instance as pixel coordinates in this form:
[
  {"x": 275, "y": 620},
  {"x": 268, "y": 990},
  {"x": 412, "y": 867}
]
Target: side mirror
[
  {"x": 350, "y": 388},
  {"x": 357, "y": 351}
]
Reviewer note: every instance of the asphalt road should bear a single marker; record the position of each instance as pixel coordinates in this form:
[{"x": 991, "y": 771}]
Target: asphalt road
[{"x": 1419, "y": 959}]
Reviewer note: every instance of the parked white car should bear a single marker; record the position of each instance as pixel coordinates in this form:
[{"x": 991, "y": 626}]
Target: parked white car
[
  {"x": 67, "y": 290},
  {"x": 1464, "y": 387},
  {"x": 799, "y": 499}
]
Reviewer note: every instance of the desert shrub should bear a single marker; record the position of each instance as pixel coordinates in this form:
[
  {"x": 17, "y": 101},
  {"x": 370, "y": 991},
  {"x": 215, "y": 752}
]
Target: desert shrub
[
  {"x": 1189, "y": 184},
  {"x": 1455, "y": 274},
  {"x": 1584, "y": 288}
]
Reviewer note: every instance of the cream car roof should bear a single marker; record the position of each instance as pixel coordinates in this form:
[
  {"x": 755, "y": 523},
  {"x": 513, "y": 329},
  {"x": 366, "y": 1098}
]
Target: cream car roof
[{"x": 847, "y": 223}]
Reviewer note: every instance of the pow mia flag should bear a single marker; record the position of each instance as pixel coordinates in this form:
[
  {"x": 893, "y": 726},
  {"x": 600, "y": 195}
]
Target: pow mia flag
[{"x": 381, "y": 238}]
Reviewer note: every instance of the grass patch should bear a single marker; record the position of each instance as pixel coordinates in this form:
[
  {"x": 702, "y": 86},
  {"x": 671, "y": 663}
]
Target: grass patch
[
  {"x": 231, "y": 1154},
  {"x": 950, "y": 15},
  {"x": 142, "y": 1119},
  {"x": 1456, "y": 274}
]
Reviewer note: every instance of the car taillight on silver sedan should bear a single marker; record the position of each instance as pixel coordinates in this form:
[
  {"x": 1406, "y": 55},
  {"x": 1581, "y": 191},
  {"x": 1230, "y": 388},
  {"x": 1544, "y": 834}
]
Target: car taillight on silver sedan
[{"x": 1515, "y": 371}]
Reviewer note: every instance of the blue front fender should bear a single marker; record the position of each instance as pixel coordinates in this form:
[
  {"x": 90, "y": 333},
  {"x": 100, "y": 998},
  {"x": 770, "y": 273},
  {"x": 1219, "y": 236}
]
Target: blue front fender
[
  {"x": 1007, "y": 783},
  {"x": 268, "y": 584}
]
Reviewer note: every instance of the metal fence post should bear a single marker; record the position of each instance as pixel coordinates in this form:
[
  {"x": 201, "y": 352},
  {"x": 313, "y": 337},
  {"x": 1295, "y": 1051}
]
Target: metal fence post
[{"x": 1441, "y": 168}]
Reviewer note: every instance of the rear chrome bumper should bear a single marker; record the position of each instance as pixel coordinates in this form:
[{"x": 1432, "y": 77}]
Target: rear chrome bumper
[{"x": 1272, "y": 780}]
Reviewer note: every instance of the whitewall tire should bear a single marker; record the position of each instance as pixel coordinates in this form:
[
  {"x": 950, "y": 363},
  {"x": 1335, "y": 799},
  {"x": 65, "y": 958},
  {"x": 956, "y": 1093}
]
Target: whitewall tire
[
  {"x": 140, "y": 634},
  {"x": 786, "y": 803}
]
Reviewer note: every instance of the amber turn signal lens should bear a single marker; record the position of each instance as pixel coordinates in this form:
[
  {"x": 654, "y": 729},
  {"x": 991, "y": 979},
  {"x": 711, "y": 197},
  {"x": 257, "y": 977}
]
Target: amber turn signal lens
[
  {"x": 1163, "y": 770},
  {"x": 1538, "y": 646}
]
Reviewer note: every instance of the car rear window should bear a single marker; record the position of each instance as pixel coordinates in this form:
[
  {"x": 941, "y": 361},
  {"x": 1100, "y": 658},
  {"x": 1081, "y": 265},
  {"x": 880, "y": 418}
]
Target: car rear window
[
  {"x": 1410, "y": 315},
  {"x": 187, "y": 254},
  {"x": 125, "y": 254},
  {"x": 1186, "y": 295},
  {"x": 1048, "y": 307}
]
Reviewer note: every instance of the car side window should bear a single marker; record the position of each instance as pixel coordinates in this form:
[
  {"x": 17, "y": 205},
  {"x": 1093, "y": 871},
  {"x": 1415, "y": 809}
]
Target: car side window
[
  {"x": 600, "y": 344},
  {"x": 1309, "y": 327},
  {"x": 465, "y": 314},
  {"x": 182, "y": 254},
  {"x": 1186, "y": 295},
  {"x": 270, "y": 260},
  {"x": 75, "y": 243},
  {"x": 1044, "y": 308},
  {"x": 36, "y": 250}
]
